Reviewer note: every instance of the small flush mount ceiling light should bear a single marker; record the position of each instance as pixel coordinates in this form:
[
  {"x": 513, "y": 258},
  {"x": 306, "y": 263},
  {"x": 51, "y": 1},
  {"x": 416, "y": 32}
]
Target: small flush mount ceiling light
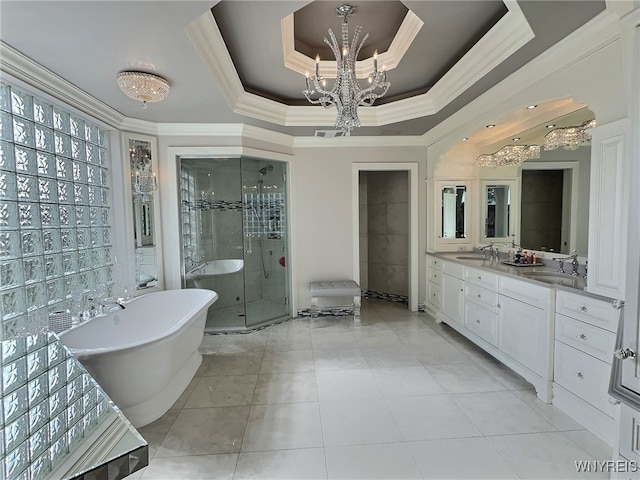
[
  {"x": 515, "y": 139},
  {"x": 551, "y": 125},
  {"x": 531, "y": 107},
  {"x": 142, "y": 86},
  {"x": 491, "y": 125},
  {"x": 464, "y": 139}
]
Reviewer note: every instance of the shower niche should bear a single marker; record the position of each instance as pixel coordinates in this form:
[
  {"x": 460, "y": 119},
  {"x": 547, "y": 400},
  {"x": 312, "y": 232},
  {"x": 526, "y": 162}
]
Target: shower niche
[{"x": 234, "y": 238}]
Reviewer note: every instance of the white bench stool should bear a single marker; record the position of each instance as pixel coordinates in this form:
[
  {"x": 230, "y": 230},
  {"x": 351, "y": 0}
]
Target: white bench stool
[{"x": 335, "y": 288}]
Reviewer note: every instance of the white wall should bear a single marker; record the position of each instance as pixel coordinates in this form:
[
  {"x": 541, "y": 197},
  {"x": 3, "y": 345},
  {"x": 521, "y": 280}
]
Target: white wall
[{"x": 324, "y": 229}]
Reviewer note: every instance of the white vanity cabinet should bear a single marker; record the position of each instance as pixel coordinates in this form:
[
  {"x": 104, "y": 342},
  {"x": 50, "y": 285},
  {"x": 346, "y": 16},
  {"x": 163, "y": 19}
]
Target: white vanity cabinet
[
  {"x": 481, "y": 304},
  {"x": 453, "y": 292},
  {"x": 434, "y": 284},
  {"x": 584, "y": 343},
  {"x": 525, "y": 330}
]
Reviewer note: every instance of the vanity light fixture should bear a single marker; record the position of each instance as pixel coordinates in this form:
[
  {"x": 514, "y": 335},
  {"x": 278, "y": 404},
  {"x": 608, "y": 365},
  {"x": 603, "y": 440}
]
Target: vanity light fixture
[
  {"x": 142, "y": 86},
  {"x": 569, "y": 138},
  {"x": 509, "y": 155}
]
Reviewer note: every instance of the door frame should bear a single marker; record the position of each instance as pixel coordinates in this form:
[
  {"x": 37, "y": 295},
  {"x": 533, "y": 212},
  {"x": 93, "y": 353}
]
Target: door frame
[{"x": 413, "y": 266}]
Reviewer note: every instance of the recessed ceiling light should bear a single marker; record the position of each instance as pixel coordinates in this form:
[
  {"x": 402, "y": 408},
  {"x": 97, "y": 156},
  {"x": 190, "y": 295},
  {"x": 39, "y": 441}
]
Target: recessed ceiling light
[
  {"x": 491, "y": 125},
  {"x": 531, "y": 107},
  {"x": 551, "y": 125},
  {"x": 515, "y": 139},
  {"x": 465, "y": 139}
]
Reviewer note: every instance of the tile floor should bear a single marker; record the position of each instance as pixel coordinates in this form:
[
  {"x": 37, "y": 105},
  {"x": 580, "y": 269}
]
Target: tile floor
[{"x": 396, "y": 396}]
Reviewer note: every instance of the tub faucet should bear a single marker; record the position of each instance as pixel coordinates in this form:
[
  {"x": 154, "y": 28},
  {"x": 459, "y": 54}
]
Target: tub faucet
[{"x": 97, "y": 306}]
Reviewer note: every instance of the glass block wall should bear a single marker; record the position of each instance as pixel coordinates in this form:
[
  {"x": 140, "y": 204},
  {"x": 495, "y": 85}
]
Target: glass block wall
[{"x": 55, "y": 218}]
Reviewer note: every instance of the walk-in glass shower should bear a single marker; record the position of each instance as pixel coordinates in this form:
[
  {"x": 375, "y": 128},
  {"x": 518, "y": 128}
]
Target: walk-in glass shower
[{"x": 234, "y": 238}]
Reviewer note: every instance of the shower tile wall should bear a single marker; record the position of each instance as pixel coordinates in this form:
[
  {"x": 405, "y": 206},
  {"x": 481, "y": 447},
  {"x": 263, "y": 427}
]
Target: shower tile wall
[{"x": 387, "y": 231}]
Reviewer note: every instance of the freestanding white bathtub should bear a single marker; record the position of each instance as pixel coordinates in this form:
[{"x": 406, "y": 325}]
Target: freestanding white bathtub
[{"x": 145, "y": 355}]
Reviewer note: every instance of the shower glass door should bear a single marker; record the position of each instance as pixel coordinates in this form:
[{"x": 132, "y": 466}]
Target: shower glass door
[
  {"x": 234, "y": 238},
  {"x": 211, "y": 199},
  {"x": 265, "y": 240}
]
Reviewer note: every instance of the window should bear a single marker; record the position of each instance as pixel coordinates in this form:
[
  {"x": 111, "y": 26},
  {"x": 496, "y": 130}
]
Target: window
[{"x": 55, "y": 216}]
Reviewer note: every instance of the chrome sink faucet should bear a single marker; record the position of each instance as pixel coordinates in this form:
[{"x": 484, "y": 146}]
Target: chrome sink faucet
[
  {"x": 493, "y": 252},
  {"x": 574, "y": 263}
]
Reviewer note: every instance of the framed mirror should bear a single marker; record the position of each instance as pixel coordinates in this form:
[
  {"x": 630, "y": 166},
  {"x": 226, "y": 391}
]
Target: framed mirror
[
  {"x": 453, "y": 221},
  {"x": 143, "y": 263},
  {"x": 498, "y": 213}
]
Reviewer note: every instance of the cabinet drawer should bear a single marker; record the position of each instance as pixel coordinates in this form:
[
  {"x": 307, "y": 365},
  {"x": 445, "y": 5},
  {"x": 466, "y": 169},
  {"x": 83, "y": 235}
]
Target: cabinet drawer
[
  {"x": 592, "y": 340},
  {"x": 584, "y": 376},
  {"x": 433, "y": 262},
  {"x": 482, "y": 278},
  {"x": 481, "y": 296},
  {"x": 453, "y": 269},
  {"x": 434, "y": 292},
  {"x": 590, "y": 310},
  {"x": 482, "y": 322},
  {"x": 434, "y": 276},
  {"x": 526, "y": 292}
]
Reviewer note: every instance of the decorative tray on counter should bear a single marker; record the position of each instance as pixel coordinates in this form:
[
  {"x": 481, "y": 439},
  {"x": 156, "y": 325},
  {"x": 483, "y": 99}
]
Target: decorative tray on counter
[{"x": 514, "y": 264}]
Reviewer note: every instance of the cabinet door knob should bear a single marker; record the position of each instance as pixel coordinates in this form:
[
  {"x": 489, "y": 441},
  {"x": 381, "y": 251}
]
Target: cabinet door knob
[
  {"x": 477, "y": 321},
  {"x": 623, "y": 353},
  {"x": 583, "y": 308},
  {"x": 583, "y": 336},
  {"x": 479, "y": 277},
  {"x": 580, "y": 375},
  {"x": 499, "y": 306},
  {"x": 462, "y": 289},
  {"x": 479, "y": 296}
]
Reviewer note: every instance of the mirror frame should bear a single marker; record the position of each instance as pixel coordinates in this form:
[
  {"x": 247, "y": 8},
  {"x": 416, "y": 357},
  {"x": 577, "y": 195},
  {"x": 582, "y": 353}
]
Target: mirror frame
[
  {"x": 514, "y": 213},
  {"x": 469, "y": 223},
  {"x": 129, "y": 206}
]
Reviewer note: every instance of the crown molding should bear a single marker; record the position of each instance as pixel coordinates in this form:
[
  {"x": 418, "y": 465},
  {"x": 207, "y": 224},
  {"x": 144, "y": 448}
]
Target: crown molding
[
  {"x": 302, "y": 64},
  {"x": 138, "y": 126},
  {"x": 359, "y": 141},
  {"x": 200, "y": 129},
  {"x": 506, "y": 37},
  {"x": 209, "y": 44},
  {"x": 26, "y": 70},
  {"x": 267, "y": 136},
  {"x": 601, "y": 31}
]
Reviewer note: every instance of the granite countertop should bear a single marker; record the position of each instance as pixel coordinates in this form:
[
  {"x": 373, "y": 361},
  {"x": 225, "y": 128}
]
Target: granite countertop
[{"x": 566, "y": 282}]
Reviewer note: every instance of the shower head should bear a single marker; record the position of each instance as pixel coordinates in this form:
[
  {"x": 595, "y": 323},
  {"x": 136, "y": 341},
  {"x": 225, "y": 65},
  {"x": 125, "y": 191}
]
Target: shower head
[{"x": 263, "y": 171}]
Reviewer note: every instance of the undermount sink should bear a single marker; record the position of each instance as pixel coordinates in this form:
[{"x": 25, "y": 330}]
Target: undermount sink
[
  {"x": 555, "y": 278},
  {"x": 471, "y": 257}
]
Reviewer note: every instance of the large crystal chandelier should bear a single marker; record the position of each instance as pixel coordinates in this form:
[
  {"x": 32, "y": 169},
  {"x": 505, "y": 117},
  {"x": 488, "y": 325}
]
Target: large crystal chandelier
[
  {"x": 346, "y": 94},
  {"x": 509, "y": 155},
  {"x": 570, "y": 137}
]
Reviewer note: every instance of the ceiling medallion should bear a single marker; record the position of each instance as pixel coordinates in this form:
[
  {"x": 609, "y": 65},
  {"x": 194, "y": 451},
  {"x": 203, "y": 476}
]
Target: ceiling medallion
[
  {"x": 142, "y": 86},
  {"x": 346, "y": 94}
]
